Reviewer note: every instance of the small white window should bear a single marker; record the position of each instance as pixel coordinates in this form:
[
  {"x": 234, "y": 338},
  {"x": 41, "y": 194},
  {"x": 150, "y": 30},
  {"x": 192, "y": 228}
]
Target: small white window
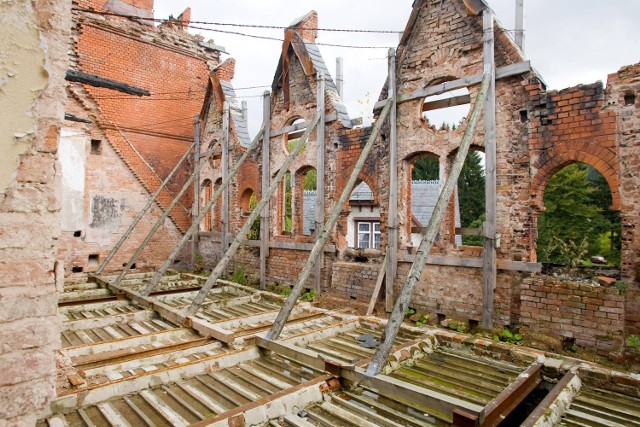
[{"x": 368, "y": 234}]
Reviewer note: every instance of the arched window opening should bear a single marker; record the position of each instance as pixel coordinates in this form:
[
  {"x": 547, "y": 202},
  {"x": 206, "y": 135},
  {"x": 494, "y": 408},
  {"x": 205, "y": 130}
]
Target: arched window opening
[
  {"x": 206, "y": 196},
  {"x": 578, "y": 227},
  {"x": 448, "y": 110},
  {"x": 217, "y": 207},
  {"x": 247, "y": 204},
  {"x": 363, "y": 223},
  {"x": 471, "y": 199},
  {"x": 305, "y": 201},
  {"x": 294, "y": 135}
]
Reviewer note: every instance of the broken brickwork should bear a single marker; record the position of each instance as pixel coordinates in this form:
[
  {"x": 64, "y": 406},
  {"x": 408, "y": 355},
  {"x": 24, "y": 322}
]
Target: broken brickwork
[
  {"x": 34, "y": 43},
  {"x": 130, "y": 143},
  {"x": 539, "y": 131}
]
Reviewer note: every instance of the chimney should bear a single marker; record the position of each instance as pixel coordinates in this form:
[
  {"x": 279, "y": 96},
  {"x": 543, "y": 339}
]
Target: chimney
[
  {"x": 184, "y": 19},
  {"x": 306, "y": 26}
]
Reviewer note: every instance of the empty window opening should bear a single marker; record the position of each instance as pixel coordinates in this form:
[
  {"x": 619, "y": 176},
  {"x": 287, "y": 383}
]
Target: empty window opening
[
  {"x": 76, "y": 269},
  {"x": 248, "y": 202},
  {"x": 93, "y": 260},
  {"x": 305, "y": 201},
  {"x": 524, "y": 116},
  {"x": 423, "y": 190},
  {"x": 448, "y": 110},
  {"x": 133, "y": 266},
  {"x": 363, "y": 222},
  {"x": 286, "y": 214},
  {"x": 578, "y": 228},
  {"x": 629, "y": 98},
  {"x": 77, "y": 233},
  {"x": 96, "y": 146},
  {"x": 471, "y": 203},
  {"x": 293, "y": 137},
  {"x": 216, "y": 210},
  {"x": 207, "y": 188}
]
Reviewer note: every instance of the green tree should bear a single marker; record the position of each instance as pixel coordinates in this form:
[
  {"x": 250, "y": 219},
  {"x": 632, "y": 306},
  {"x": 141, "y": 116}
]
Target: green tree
[
  {"x": 571, "y": 214},
  {"x": 427, "y": 168},
  {"x": 471, "y": 190}
]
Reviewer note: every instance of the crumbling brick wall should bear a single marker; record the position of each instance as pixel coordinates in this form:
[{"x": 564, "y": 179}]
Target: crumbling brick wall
[
  {"x": 593, "y": 316},
  {"x": 34, "y": 42},
  {"x": 354, "y": 281}
]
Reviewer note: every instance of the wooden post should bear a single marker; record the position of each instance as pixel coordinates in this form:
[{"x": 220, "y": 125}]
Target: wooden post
[
  {"x": 392, "y": 222},
  {"x": 489, "y": 248},
  {"x": 319, "y": 211},
  {"x": 402, "y": 302},
  {"x": 196, "y": 188},
  {"x": 265, "y": 215},
  {"x": 340, "y": 77},
  {"x": 519, "y": 36},
  {"x": 286, "y": 309},
  {"x": 196, "y": 224},
  {"x": 220, "y": 267},
  {"x": 164, "y": 216},
  {"x": 144, "y": 210},
  {"x": 225, "y": 175}
]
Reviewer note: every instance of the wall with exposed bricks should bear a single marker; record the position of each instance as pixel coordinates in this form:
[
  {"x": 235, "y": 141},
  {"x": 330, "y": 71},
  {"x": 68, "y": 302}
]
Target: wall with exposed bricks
[{"x": 591, "y": 315}]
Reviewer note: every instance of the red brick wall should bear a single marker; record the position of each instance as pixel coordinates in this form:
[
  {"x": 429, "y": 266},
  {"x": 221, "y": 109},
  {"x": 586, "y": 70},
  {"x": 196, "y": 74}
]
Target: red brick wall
[
  {"x": 354, "y": 280},
  {"x": 592, "y": 315}
]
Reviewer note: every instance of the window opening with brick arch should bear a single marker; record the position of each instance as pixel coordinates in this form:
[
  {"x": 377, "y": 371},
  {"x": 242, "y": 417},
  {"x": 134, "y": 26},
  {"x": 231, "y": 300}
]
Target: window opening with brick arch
[
  {"x": 247, "y": 204},
  {"x": 447, "y": 110},
  {"x": 363, "y": 221},
  {"x": 471, "y": 203},
  {"x": 578, "y": 226},
  {"x": 305, "y": 201},
  {"x": 293, "y": 137},
  {"x": 207, "y": 192}
]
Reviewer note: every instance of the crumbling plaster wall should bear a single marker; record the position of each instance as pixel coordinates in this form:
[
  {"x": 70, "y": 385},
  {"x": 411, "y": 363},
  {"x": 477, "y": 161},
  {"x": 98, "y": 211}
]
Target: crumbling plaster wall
[{"x": 33, "y": 44}]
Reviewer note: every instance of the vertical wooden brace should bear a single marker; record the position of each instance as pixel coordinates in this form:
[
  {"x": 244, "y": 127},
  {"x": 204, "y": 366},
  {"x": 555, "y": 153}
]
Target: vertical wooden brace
[
  {"x": 225, "y": 175},
  {"x": 319, "y": 209},
  {"x": 489, "y": 272},
  {"x": 265, "y": 215},
  {"x": 392, "y": 222},
  {"x": 196, "y": 188}
]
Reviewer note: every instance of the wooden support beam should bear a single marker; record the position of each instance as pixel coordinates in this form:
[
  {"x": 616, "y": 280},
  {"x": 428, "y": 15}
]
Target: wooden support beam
[
  {"x": 454, "y": 261},
  {"x": 225, "y": 175},
  {"x": 501, "y": 73},
  {"x": 378, "y": 285},
  {"x": 502, "y": 405},
  {"x": 320, "y": 167},
  {"x": 402, "y": 302},
  {"x": 222, "y": 264},
  {"x": 265, "y": 215},
  {"x": 196, "y": 189},
  {"x": 391, "y": 256},
  {"x": 489, "y": 271},
  {"x": 328, "y": 118},
  {"x": 97, "y": 81},
  {"x": 290, "y": 302},
  {"x": 144, "y": 210},
  {"x": 445, "y": 103},
  {"x": 196, "y": 224}
]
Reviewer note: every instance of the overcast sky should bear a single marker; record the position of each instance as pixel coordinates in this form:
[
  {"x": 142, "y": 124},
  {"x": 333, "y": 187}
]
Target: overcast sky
[{"x": 568, "y": 41}]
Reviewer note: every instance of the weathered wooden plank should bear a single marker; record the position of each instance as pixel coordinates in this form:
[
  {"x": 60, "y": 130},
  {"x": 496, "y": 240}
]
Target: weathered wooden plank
[
  {"x": 97, "y": 81},
  {"x": 281, "y": 244},
  {"x": 489, "y": 271},
  {"x": 392, "y": 222},
  {"x": 225, "y": 175},
  {"x": 378, "y": 285},
  {"x": 265, "y": 217},
  {"x": 328, "y": 118},
  {"x": 319, "y": 208},
  {"x": 445, "y": 103},
  {"x": 501, "y": 73},
  {"x": 502, "y": 264}
]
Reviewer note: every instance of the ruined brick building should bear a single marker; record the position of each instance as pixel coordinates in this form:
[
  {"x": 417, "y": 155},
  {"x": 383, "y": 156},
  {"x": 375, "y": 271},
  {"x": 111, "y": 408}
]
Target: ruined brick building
[{"x": 76, "y": 184}]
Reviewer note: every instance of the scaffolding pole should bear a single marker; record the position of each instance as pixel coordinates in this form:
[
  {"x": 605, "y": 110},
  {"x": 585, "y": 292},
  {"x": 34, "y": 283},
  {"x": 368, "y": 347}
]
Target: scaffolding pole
[
  {"x": 402, "y": 302},
  {"x": 391, "y": 256},
  {"x": 164, "y": 215},
  {"x": 319, "y": 208},
  {"x": 196, "y": 222},
  {"x": 265, "y": 219},
  {"x": 230, "y": 252},
  {"x": 225, "y": 175},
  {"x": 285, "y": 312},
  {"x": 144, "y": 210}
]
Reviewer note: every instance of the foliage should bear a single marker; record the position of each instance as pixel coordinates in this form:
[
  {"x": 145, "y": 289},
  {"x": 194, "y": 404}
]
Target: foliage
[
  {"x": 576, "y": 212},
  {"x": 471, "y": 190},
  {"x": 426, "y": 167},
  {"x": 569, "y": 252},
  {"x": 310, "y": 295},
  {"x": 238, "y": 276},
  {"x": 409, "y": 311},
  {"x": 254, "y": 231},
  {"x": 475, "y": 240},
  {"x": 285, "y": 292},
  {"x": 423, "y": 320},
  {"x": 198, "y": 263},
  {"x": 633, "y": 342},
  {"x": 506, "y": 335},
  {"x": 622, "y": 287},
  {"x": 309, "y": 181},
  {"x": 457, "y": 326}
]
